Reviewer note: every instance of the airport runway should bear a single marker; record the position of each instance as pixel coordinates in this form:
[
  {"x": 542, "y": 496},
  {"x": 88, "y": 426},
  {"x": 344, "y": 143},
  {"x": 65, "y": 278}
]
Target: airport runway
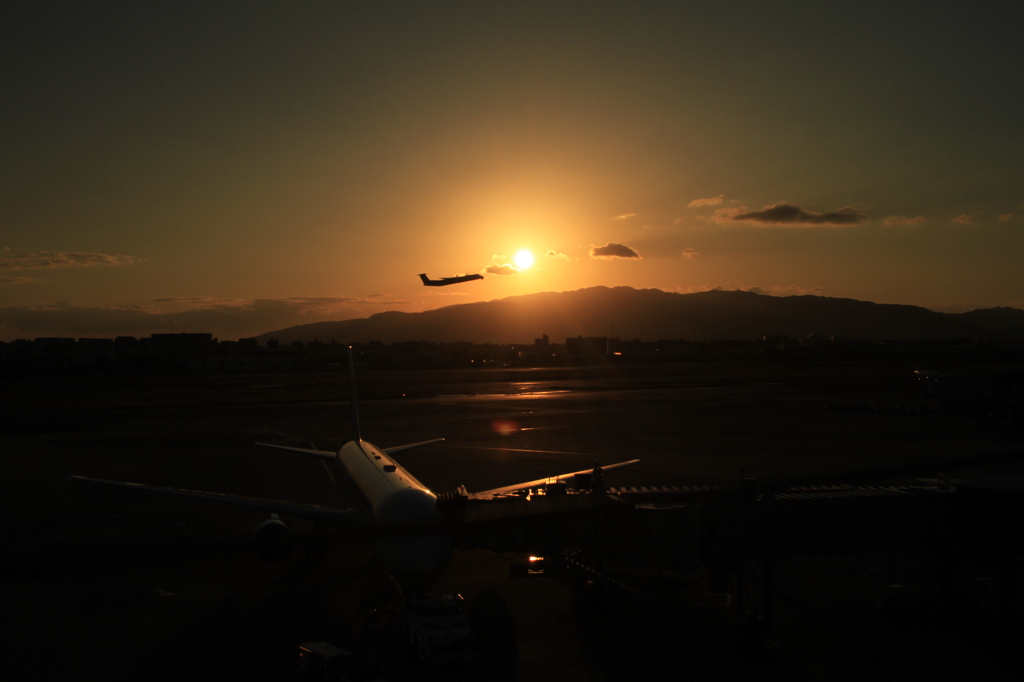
[{"x": 111, "y": 584}]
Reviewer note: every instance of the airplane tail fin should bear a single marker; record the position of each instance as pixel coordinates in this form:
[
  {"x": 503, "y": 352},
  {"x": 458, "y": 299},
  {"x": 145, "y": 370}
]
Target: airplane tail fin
[
  {"x": 352, "y": 391},
  {"x": 423, "y": 277}
]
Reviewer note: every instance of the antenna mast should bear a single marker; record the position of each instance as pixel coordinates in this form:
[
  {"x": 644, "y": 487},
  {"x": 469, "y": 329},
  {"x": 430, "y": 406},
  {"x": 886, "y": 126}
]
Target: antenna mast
[{"x": 355, "y": 408}]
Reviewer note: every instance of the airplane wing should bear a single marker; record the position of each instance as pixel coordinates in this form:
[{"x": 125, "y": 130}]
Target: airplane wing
[
  {"x": 324, "y": 454},
  {"x": 347, "y": 518},
  {"x": 549, "y": 479}
]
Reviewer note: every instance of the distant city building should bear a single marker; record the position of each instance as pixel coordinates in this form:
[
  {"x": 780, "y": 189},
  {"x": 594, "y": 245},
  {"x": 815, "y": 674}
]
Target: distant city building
[
  {"x": 587, "y": 346},
  {"x": 183, "y": 346}
]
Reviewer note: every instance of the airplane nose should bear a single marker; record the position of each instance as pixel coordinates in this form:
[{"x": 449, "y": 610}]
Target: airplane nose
[
  {"x": 415, "y": 553},
  {"x": 411, "y": 506}
]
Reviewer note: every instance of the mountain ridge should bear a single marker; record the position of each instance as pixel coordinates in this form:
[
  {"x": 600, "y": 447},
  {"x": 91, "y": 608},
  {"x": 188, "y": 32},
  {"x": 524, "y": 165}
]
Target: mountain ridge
[{"x": 654, "y": 314}]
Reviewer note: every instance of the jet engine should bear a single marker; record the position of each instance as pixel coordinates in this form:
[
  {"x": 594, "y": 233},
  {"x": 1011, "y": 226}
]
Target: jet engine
[{"x": 274, "y": 539}]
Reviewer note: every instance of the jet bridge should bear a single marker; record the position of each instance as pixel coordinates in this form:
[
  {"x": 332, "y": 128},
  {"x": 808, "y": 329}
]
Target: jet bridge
[{"x": 672, "y": 531}]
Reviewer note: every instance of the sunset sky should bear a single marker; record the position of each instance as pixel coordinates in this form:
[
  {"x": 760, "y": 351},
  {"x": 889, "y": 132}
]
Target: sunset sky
[{"x": 239, "y": 167}]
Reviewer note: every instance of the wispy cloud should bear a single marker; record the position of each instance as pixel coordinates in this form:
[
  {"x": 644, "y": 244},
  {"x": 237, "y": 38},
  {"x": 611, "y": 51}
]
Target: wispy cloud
[
  {"x": 1005, "y": 217},
  {"x": 505, "y": 269},
  {"x": 773, "y": 290},
  {"x": 954, "y": 308},
  {"x": 904, "y": 220},
  {"x": 224, "y": 318},
  {"x": 611, "y": 250},
  {"x": 63, "y": 259},
  {"x": 710, "y": 201},
  {"x": 790, "y": 214},
  {"x": 555, "y": 254},
  {"x": 964, "y": 219},
  {"x": 696, "y": 288},
  {"x": 690, "y": 252},
  {"x": 624, "y": 216},
  {"x": 723, "y": 215},
  {"x": 785, "y": 290}
]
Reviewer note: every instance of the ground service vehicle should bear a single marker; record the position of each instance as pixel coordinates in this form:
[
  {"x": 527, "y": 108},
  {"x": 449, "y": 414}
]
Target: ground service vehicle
[{"x": 438, "y": 629}]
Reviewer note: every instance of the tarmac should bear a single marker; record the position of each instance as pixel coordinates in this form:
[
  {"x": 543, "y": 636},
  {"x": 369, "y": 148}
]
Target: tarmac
[{"x": 114, "y": 584}]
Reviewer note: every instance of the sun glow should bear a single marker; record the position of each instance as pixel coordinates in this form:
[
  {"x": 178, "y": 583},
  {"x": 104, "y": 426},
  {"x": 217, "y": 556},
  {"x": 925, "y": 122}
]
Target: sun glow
[{"x": 523, "y": 259}]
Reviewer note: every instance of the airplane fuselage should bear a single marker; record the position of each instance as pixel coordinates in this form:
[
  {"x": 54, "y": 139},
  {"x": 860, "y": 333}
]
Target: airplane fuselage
[
  {"x": 445, "y": 281},
  {"x": 401, "y": 511}
]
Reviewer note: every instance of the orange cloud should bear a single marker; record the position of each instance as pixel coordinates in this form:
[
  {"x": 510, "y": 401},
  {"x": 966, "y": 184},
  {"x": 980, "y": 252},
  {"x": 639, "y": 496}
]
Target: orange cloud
[
  {"x": 724, "y": 215},
  {"x": 773, "y": 290},
  {"x": 711, "y": 201},
  {"x": 506, "y": 269},
  {"x": 785, "y": 290}
]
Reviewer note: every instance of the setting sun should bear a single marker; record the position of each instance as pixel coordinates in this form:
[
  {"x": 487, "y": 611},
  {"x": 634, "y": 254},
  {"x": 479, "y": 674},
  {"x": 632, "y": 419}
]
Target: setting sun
[{"x": 523, "y": 259}]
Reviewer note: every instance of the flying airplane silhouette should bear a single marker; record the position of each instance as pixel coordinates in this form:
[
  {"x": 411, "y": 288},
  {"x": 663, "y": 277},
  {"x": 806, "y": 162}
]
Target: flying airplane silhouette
[
  {"x": 445, "y": 281},
  {"x": 411, "y": 535}
]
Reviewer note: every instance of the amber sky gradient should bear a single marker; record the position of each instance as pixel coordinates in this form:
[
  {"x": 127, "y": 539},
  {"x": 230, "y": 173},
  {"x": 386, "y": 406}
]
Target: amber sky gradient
[{"x": 236, "y": 167}]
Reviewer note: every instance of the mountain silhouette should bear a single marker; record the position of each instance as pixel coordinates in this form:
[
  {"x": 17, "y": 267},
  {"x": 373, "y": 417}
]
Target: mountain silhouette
[{"x": 653, "y": 314}]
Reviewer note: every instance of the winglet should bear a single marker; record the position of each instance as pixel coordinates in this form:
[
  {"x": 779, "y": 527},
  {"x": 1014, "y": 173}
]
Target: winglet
[{"x": 355, "y": 408}]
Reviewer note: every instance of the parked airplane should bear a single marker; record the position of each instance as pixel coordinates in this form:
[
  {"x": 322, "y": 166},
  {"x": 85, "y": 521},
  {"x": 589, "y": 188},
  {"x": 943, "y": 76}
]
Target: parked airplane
[
  {"x": 445, "y": 281},
  {"x": 410, "y": 535}
]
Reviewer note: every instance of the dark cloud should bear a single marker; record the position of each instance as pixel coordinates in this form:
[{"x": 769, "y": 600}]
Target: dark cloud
[
  {"x": 904, "y": 220},
  {"x": 226, "y": 319},
  {"x": 611, "y": 250},
  {"x": 505, "y": 269},
  {"x": 189, "y": 299},
  {"x": 64, "y": 259},
  {"x": 789, "y": 214},
  {"x": 64, "y": 319}
]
